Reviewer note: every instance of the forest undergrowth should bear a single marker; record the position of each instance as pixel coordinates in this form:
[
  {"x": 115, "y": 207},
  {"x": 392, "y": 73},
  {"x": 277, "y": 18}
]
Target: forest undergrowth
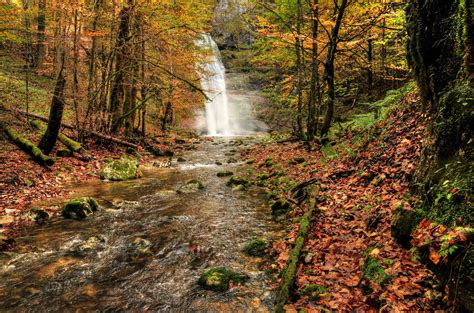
[{"x": 350, "y": 259}]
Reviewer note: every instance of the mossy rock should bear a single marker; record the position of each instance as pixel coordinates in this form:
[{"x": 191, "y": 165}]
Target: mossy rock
[
  {"x": 231, "y": 160},
  {"x": 403, "y": 224},
  {"x": 373, "y": 271},
  {"x": 250, "y": 161},
  {"x": 80, "y": 208},
  {"x": 191, "y": 187},
  {"x": 269, "y": 162},
  {"x": 281, "y": 206},
  {"x": 35, "y": 215},
  {"x": 237, "y": 180},
  {"x": 168, "y": 153},
  {"x": 263, "y": 176},
  {"x": 313, "y": 292},
  {"x": 219, "y": 278},
  {"x": 256, "y": 247},
  {"x": 118, "y": 170},
  {"x": 225, "y": 173},
  {"x": 239, "y": 188},
  {"x": 140, "y": 247}
]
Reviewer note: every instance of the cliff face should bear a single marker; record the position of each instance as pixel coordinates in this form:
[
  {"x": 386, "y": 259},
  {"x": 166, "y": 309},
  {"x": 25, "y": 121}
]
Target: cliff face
[{"x": 230, "y": 29}]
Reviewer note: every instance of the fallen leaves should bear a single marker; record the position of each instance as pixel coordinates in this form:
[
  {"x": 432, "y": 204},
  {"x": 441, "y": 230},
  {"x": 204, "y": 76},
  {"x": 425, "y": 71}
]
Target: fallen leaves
[{"x": 357, "y": 191}]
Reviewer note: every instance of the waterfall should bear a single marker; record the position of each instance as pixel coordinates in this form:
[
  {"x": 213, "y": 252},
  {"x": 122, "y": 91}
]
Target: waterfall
[
  {"x": 213, "y": 82},
  {"x": 228, "y": 112}
]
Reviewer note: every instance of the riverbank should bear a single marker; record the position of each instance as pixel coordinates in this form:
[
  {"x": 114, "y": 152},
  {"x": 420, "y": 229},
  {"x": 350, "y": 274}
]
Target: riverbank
[
  {"x": 350, "y": 259},
  {"x": 23, "y": 182}
]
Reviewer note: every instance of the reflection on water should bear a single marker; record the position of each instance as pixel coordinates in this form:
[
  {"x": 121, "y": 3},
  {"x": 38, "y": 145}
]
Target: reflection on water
[{"x": 93, "y": 264}]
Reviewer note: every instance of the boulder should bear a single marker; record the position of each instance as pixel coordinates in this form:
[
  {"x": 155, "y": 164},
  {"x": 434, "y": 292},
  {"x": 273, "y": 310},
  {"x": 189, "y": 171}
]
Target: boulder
[
  {"x": 403, "y": 224},
  {"x": 118, "y": 170},
  {"x": 218, "y": 279},
  {"x": 91, "y": 244},
  {"x": 256, "y": 247},
  {"x": 237, "y": 180},
  {"x": 35, "y": 215},
  {"x": 224, "y": 173},
  {"x": 80, "y": 208},
  {"x": 140, "y": 247},
  {"x": 191, "y": 186}
]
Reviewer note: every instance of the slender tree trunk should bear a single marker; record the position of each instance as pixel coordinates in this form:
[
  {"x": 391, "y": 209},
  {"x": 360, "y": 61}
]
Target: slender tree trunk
[
  {"x": 329, "y": 70},
  {"x": 28, "y": 53},
  {"x": 41, "y": 36},
  {"x": 143, "y": 76},
  {"x": 314, "y": 88},
  {"x": 370, "y": 74},
  {"x": 299, "y": 72},
  {"x": 55, "y": 114}
]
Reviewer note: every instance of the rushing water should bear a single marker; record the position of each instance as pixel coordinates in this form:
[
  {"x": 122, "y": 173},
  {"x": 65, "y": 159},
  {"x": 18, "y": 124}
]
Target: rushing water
[
  {"x": 87, "y": 265},
  {"x": 225, "y": 115}
]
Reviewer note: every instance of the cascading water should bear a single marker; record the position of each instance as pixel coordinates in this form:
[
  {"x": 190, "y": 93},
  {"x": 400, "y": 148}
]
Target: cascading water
[
  {"x": 228, "y": 111},
  {"x": 217, "y": 108}
]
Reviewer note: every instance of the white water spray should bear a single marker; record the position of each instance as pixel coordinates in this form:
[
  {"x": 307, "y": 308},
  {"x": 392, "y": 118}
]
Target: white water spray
[{"x": 225, "y": 114}]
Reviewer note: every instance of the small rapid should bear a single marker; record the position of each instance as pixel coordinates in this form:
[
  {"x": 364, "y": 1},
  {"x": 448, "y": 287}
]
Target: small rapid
[{"x": 89, "y": 265}]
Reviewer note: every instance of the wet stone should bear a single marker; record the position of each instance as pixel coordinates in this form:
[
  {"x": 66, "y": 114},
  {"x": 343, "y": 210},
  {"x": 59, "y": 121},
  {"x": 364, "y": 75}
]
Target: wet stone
[
  {"x": 35, "y": 215},
  {"x": 219, "y": 278},
  {"x": 80, "y": 208},
  {"x": 191, "y": 187},
  {"x": 118, "y": 170}
]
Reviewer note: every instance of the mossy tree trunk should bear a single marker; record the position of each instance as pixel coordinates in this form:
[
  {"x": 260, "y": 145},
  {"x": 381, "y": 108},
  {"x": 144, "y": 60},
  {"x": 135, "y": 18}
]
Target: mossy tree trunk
[
  {"x": 439, "y": 52},
  {"x": 55, "y": 114}
]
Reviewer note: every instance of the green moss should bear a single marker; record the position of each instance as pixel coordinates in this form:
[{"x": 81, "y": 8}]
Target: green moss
[
  {"x": 225, "y": 173},
  {"x": 263, "y": 176},
  {"x": 250, "y": 161},
  {"x": 80, "y": 208},
  {"x": 269, "y": 162},
  {"x": 237, "y": 180},
  {"x": 118, "y": 170},
  {"x": 373, "y": 271},
  {"x": 313, "y": 291},
  {"x": 256, "y": 247},
  {"x": 218, "y": 279}
]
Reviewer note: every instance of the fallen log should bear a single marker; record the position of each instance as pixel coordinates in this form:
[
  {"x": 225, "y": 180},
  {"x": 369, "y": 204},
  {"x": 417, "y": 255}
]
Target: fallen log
[
  {"x": 289, "y": 277},
  {"x": 90, "y": 132},
  {"x": 72, "y": 145},
  {"x": 27, "y": 146}
]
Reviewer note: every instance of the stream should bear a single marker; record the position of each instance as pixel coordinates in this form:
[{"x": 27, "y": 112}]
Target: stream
[{"x": 88, "y": 265}]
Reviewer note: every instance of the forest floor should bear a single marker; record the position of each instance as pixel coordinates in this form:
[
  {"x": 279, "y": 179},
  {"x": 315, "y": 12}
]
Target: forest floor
[{"x": 350, "y": 260}]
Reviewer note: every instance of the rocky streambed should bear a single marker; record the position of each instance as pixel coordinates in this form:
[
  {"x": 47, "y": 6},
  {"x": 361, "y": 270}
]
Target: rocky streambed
[{"x": 148, "y": 245}]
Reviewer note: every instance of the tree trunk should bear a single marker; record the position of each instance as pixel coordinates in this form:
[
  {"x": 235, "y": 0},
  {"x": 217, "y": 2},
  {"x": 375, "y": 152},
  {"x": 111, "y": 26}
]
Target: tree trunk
[
  {"x": 329, "y": 70},
  {"x": 118, "y": 85},
  {"x": 27, "y": 146},
  {"x": 299, "y": 73},
  {"x": 314, "y": 95},
  {"x": 55, "y": 114},
  {"x": 41, "y": 36}
]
